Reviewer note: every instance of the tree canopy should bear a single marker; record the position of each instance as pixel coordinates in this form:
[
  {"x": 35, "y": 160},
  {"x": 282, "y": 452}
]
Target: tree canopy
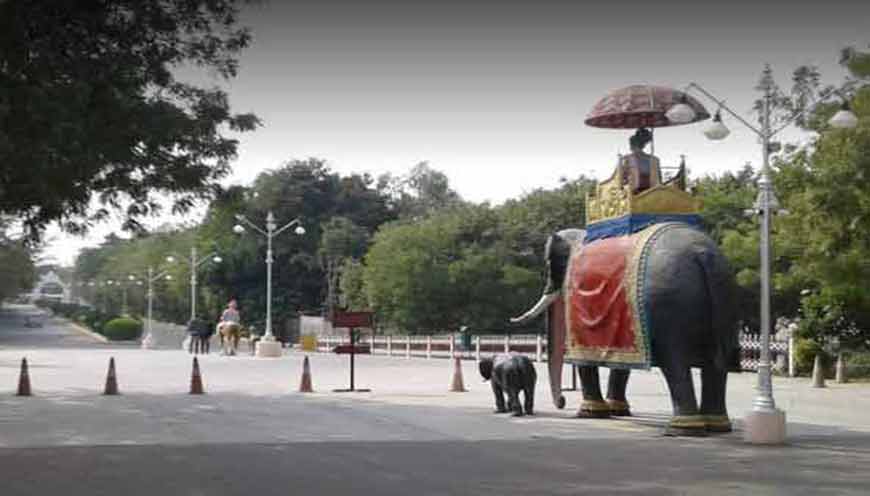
[{"x": 91, "y": 106}]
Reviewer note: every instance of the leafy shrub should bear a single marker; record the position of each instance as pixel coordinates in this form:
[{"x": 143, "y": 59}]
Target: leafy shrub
[
  {"x": 122, "y": 329},
  {"x": 858, "y": 364},
  {"x": 805, "y": 355}
]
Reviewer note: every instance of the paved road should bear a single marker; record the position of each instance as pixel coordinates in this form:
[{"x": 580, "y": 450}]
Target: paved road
[
  {"x": 252, "y": 434},
  {"x": 54, "y": 332}
]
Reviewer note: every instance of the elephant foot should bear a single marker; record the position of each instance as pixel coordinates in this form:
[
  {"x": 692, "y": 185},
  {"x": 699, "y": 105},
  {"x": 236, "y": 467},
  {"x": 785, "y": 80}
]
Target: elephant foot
[
  {"x": 500, "y": 410},
  {"x": 718, "y": 424},
  {"x": 687, "y": 426},
  {"x": 619, "y": 408},
  {"x": 594, "y": 409},
  {"x": 517, "y": 413}
]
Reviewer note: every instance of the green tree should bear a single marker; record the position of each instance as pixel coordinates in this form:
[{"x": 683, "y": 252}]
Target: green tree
[{"x": 90, "y": 105}]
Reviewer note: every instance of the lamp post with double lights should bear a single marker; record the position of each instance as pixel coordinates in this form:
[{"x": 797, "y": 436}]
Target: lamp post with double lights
[
  {"x": 120, "y": 282},
  {"x": 148, "y": 341},
  {"x": 765, "y": 424},
  {"x": 267, "y": 346},
  {"x": 195, "y": 263}
]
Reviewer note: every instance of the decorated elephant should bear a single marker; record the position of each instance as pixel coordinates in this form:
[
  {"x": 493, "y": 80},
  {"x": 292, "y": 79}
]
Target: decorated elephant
[{"x": 658, "y": 296}]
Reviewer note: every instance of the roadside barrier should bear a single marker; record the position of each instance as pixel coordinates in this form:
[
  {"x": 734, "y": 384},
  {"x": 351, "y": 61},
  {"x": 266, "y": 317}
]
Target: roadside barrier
[
  {"x": 111, "y": 388},
  {"x": 24, "y": 380},
  {"x": 196, "y": 379},
  {"x": 305, "y": 384}
]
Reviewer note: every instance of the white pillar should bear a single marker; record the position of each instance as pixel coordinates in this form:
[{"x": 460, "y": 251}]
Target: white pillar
[
  {"x": 507, "y": 343},
  {"x": 428, "y": 346},
  {"x": 477, "y": 348},
  {"x": 452, "y": 346},
  {"x": 407, "y": 346},
  {"x": 791, "y": 370},
  {"x": 390, "y": 345},
  {"x": 538, "y": 348},
  {"x": 372, "y": 343}
]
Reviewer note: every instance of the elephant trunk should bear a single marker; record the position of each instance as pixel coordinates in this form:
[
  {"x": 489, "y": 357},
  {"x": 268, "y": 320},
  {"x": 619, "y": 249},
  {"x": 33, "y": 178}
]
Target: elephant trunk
[{"x": 540, "y": 306}]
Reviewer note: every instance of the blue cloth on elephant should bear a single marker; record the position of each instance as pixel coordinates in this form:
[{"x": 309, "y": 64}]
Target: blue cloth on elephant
[{"x": 632, "y": 223}]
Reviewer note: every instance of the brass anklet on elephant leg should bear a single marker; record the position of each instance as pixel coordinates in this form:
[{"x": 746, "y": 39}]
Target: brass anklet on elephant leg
[
  {"x": 594, "y": 409},
  {"x": 718, "y": 423},
  {"x": 619, "y": 408},
  {"x": 687, "y": 425}
]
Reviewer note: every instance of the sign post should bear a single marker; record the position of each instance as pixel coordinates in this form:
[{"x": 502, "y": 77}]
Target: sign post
[{"x": 352, "y": 320}]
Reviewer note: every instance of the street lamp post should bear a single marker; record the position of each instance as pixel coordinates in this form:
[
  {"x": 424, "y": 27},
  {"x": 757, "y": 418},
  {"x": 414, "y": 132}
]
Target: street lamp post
[
  {"x": 195, "y": 263},
  {"x": 267, "y": 346},
  {"x": 148, "y": 341},
  {"x": 765, "y": 424}
]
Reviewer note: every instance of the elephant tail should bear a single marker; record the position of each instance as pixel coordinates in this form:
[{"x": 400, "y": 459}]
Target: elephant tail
[{"x": 719, "y": 280}]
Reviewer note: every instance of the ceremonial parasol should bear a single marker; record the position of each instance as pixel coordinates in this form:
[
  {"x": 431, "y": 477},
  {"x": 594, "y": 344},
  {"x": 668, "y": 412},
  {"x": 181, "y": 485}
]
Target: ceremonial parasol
[{"x": 642, "y": 106}]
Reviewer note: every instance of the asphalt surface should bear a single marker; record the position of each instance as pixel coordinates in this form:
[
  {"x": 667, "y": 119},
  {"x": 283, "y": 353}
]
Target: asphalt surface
[
  {"x": 559, "y": 467},
  {"x": 252, "y": 434}
]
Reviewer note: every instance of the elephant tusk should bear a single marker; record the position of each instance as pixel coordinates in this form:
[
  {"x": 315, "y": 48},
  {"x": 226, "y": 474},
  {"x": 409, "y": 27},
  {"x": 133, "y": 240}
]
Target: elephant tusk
[{"x": 540, "y": 306}]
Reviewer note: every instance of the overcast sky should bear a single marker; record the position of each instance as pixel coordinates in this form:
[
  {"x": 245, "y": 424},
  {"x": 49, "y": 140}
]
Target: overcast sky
[{"x": 494, "y": 93}]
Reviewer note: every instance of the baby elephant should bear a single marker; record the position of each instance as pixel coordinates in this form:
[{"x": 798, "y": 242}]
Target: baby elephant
[{"x": 510, "y": 374}]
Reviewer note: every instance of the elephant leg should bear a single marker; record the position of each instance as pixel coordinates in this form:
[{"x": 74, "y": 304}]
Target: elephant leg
[
  {"x": 499, "y": 398},
  {"x": 514, "y": 402},
  {"x": 593, "y": 405},
  {"x": 686, "y": 420},
  {"x": 713, "y": 388},
  {"x": 616, "y": 385},
  {"x": 529, "y": 396}
]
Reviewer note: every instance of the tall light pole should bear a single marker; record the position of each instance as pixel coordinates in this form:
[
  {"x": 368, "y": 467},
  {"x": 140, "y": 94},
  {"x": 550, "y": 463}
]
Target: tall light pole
[
  {"x": 148, "y": 341},
  {"x": 765, "y": 424},
  {"x": 195, "y": 263},
  {"x": 267, "y": 346}
]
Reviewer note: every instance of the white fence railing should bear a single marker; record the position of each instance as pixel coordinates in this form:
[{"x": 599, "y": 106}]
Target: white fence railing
[{"x": 533, "y": 346}]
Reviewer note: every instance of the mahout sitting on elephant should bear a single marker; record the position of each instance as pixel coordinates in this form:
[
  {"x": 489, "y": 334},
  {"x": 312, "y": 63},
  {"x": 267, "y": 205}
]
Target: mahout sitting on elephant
[{"x": 510, "y": 375}]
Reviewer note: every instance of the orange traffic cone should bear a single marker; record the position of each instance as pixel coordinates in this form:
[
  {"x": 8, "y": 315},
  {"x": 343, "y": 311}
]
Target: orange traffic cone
[
  {"x": 24, "y": 380},
  {"x": 111, "y": 381},
  {"x": 305, "y": 385},
  {"x": 457, "y": 386},
  {"x": 196, "y": 379}
]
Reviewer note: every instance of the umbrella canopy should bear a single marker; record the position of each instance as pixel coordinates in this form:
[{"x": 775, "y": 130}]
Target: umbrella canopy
[{"x": 641, "y": 106}]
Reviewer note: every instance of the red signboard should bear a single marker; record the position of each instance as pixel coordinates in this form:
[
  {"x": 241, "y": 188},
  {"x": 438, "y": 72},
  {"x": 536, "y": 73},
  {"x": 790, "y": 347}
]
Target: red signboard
[{"x": 352, "y": 319}]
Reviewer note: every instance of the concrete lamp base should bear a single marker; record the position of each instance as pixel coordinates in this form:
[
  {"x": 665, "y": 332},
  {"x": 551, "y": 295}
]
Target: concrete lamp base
[
  {"x": 268, "y": 348},
  {"x": 148, "y": 342},
  {"x": 764, "y": 427}
]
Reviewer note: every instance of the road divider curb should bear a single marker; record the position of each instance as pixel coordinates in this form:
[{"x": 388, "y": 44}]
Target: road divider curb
[{"x": 88, "y": 332}]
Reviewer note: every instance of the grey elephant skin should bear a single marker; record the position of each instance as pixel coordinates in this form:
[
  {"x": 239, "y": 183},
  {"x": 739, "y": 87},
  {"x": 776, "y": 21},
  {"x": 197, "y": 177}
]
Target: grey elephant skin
[
  {"x": 510, "y": 375},
  {"x": 689, "y": 289}
]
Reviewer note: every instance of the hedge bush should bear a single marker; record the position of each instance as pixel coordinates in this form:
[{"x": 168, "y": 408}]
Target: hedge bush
[
  {"x": 858, "y": 364},
  {"x": 122, "y": 329},
  {"x": 805, "y": 355}
]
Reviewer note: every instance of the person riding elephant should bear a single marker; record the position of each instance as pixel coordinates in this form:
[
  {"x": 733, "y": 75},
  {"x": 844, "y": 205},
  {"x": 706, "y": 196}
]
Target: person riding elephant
[
  {"x": 639, "y": 169},
  {"x": 229, "y": 327}
]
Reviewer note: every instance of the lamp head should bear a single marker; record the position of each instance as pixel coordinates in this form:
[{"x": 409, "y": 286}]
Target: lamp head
[
  {"x": 239, "y": 229},
  {"x": 168, "y": 277},
  {"x": 299, "y": 230},
  {"x": 717, "y": 130},
  {"x": 170, "y": 259},
  {"x": 217, "y": 259},
  {"x": 681, "y": 113},
  {"x": 844, "y": 118}
]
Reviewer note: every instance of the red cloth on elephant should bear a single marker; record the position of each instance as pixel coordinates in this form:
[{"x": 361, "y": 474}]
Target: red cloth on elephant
[{"x": 599, "y": 313}]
